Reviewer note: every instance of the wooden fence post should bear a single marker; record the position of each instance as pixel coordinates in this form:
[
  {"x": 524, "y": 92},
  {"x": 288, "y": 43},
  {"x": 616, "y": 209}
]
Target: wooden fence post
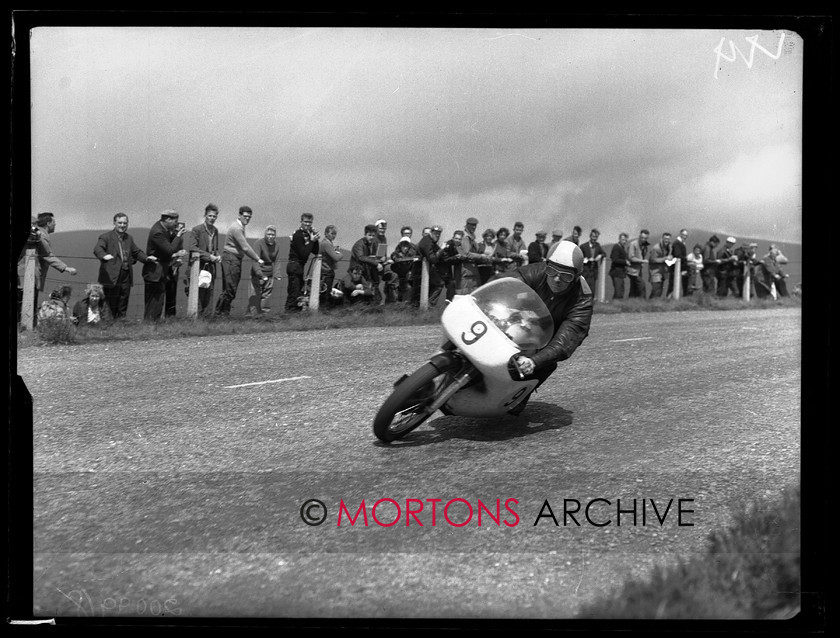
[
  {"x": 677, "y": 279},
  {"x": 745, "y": 293},
  {"x": 27, "y": 310},
  {"x": 602, "y": 281},
  {"x": 315, "y": 285},
  {"x": 424, "y": 286},
  {"x": 192, "y": 297}
]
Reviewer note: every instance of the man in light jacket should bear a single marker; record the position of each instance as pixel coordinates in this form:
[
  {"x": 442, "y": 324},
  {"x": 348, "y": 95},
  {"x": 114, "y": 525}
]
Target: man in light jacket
[{"x": 235, "y": 249}]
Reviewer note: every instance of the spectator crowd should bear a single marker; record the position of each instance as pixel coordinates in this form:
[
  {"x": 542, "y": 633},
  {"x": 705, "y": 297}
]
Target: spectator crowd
[{"x": 380, "y": 271}]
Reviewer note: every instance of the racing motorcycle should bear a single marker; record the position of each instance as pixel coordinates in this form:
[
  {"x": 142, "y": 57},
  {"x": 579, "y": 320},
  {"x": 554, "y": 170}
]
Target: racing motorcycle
[{"x": 474, "y": 373}]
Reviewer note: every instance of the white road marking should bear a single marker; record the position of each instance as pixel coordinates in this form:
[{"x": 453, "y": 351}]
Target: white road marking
[
  {"x": 633, "y": 339},
  {"x": 242, "y": 385}
]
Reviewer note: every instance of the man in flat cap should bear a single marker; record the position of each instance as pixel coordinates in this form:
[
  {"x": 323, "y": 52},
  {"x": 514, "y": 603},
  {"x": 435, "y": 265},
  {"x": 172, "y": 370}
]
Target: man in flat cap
[
  {"x": 742, "y": 266},
  {"x": 165, "y": 243},
  {"x": 556, "y": 236},
  {"x": 752, "y": 260},
  {"x": 538, "y": 249},
  {"x": 305, "y": 242},
  {"x": 471, "y": 254},
  {"x": 727, "y": 269},
  {"x": 770, "y": 273}
]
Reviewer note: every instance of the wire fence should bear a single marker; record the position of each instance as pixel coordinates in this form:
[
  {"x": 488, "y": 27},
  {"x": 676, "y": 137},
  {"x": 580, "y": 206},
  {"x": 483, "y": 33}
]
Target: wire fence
[
  {"x": 88, "y": 269},
  {"x": 136, "y": 303}
]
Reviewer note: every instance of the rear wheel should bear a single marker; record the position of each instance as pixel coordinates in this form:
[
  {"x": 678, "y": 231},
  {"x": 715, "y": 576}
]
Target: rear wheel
[{"x": 409, "y": 403}]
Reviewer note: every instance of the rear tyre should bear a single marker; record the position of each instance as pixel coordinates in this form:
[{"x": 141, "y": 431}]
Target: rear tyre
[{"x": 408, "y": 405}]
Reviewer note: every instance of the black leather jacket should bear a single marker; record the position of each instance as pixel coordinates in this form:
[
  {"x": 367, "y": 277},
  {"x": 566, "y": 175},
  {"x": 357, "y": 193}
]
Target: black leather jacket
[{"x": 571, "y": 311}]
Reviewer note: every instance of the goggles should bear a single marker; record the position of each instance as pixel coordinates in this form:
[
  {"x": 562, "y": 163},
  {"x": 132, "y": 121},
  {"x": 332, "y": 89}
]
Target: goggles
[{"x": 563, "y": 275}]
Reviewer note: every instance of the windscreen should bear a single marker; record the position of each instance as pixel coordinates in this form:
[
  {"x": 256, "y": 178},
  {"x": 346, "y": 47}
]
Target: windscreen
[{"x": 517, "y": 311}]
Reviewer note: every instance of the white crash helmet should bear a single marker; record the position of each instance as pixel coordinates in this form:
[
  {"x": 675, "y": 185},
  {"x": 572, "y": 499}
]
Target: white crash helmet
[{"x": 568, "y": 254}]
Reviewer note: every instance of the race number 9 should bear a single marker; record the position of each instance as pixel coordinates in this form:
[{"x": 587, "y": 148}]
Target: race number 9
[
  {"x": 518, "y": 394},
  {"x": 477, "y": 330}
]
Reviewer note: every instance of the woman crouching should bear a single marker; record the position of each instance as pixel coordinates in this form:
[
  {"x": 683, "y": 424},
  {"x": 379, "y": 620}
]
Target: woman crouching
[{"x": 92, "y": 310}]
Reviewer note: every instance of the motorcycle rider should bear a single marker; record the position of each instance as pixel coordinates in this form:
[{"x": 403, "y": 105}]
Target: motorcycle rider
[{"x": 567, "y": 296}]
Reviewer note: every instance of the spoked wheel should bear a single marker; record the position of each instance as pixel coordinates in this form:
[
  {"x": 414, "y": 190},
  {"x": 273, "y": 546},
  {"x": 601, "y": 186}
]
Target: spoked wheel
[{"x": 408, "y": 406}]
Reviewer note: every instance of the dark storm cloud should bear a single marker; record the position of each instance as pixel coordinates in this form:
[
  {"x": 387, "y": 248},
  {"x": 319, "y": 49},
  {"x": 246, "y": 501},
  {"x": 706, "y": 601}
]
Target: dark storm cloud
[{"x": 598, "y": 127}]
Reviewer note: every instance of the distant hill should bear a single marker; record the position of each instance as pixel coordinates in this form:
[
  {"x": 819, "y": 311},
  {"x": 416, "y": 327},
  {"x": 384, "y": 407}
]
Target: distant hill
[{"x": 76, "y": 248}]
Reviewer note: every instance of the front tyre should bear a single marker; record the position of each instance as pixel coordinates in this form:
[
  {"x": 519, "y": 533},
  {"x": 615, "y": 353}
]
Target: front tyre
[{"x": 408, "y": 405}]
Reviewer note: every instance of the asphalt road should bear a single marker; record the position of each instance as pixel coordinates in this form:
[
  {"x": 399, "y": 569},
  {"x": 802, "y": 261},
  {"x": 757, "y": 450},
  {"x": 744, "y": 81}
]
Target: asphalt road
[{"x": 164, "y": 485}]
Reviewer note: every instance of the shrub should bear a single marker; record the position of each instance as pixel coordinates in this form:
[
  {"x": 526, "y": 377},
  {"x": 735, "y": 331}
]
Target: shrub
[
  {"x": 56, "y": 330},
  {"x": 751, "y": 570}
]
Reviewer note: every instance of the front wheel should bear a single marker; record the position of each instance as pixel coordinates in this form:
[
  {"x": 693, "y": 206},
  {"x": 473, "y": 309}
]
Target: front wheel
[{"x": 408, "y": 405}]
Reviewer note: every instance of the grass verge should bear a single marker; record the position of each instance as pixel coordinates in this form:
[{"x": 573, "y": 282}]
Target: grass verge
[
  {"x": 751, "y": 570},
  {"x": 366, "y": 317}
]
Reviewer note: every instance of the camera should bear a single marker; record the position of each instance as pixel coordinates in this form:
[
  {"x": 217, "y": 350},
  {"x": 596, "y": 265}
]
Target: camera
[{"x": 34, "y": 234}]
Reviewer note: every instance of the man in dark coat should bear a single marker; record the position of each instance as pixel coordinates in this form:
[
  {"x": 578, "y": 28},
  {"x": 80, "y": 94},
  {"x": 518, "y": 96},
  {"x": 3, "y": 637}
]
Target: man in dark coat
[
  {"x": 637, "y": 255},
  {"x": 364, "y": 254},
  {"x": 471, "y": 256},
  {"x": 117, "y": 254},
  {"x": 161, "y": 276},
  {"x": 710, "y": 264},
  {"x": 618, "y": 265},
  {"x": 305, "y": 242},
  {"x": 727, "y": 269},
  {"x": 430, "y": 250},
  {"x": 771, "y": 274},
  {"x": 593, "y": 255},
  {"x": 538, "y": 249},
  {"x": 679, "y": 251}
]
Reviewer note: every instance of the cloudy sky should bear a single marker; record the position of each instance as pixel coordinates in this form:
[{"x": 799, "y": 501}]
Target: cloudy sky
[{"x": 615, "y": 128}]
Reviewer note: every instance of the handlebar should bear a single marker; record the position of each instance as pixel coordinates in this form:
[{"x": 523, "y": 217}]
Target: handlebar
[{"x": 514, "y": 369}]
